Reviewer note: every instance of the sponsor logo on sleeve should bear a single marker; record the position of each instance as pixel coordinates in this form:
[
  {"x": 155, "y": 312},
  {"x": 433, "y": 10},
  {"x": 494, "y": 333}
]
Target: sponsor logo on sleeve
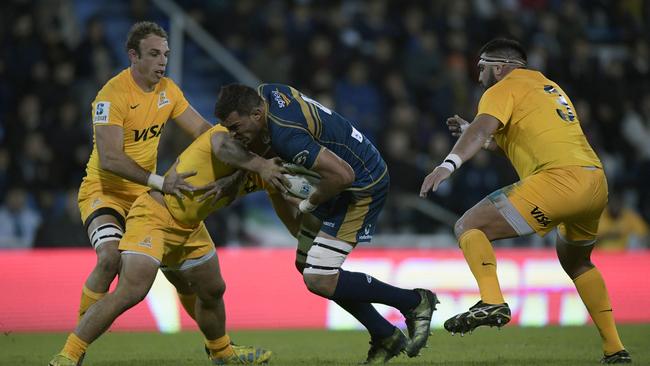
[
  {"x": 280, "y": 98},
  {"x": 102, "y": 111},
  {"x": 356, "y": 134}
]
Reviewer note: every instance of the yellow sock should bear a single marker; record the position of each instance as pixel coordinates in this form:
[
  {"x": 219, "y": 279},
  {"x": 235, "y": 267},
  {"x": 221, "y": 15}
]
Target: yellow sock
[
  {"x": 188, "y": 301},
  {"x": 591, "y": 287},
  {"x": 220, "y": 347},
  {"x": 88, "y": 298},
  {"x": 74, "y": 347},
  {"x": 479, "y": 255}
]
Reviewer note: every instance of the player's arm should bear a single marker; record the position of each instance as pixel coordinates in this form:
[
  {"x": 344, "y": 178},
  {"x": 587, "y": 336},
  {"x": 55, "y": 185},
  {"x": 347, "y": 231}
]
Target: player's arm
[
  {"x": 192, "y": 122},
  {"x": 469, "y": 143},
  {"x": 457, "y": 126},
  {"x": 110, "y": 148},
  {"x": 336, "y": 175},
  {"x": 233, "y": 153}
]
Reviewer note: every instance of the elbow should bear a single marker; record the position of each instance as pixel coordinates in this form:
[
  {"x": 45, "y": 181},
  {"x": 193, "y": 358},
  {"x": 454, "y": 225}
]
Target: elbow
[
  {"x": 346, "y": 177},
  {"x": 106, "y": 162}
]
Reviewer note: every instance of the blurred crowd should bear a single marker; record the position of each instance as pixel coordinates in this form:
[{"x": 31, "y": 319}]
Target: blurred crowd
[{"x": 398, "y": 69}]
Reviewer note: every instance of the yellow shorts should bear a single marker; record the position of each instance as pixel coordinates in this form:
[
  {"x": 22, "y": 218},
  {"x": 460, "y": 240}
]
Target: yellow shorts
[
  {"x": 571, "y": 198},
  {"x": 151, "y": 230},
  {"x": 94, "y": 197}
]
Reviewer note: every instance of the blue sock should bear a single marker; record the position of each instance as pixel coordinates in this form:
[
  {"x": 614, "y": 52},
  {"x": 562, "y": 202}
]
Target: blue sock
[
  {"x": 360, "y": 287},
  {"x": 366, "y": 314}
]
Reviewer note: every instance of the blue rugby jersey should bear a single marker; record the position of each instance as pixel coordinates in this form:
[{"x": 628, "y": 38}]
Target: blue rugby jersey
[{"x": 300, "y": 126}]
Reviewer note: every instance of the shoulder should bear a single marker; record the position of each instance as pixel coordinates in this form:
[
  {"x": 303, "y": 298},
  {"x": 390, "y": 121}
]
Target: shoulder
[{"x": 116, "y": 88}]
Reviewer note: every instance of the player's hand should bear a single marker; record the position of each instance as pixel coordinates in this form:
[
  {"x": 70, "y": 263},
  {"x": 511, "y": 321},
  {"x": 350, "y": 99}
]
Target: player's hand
[
  {"x": 457, "y": 125},
  {"x": 175, "y": 182},
  {"x": 223, "y": 187},
  {"x": 273, "y": 173},
  {"x": 433, "y": 180},
  {"x": 293, "y": 200}
]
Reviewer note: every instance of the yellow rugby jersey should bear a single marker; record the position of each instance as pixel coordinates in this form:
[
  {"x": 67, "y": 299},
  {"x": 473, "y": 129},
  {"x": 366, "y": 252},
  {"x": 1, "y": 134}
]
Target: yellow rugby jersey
[
  {"x": 198, "y": 157},
  {"x": 142, "y": 115},
  {"x": 540, "y": 129}
]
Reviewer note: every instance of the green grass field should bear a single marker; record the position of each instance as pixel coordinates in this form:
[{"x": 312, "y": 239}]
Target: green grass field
[{"x": 509, "y": 346}]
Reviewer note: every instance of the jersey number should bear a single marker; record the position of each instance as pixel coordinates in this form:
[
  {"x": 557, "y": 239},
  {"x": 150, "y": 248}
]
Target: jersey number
[
  {"x": 320, "y": 106},
  {"x": 565, "y": 112}
]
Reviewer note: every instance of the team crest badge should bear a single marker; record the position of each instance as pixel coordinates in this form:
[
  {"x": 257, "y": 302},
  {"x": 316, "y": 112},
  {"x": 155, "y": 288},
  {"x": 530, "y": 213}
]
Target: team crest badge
[
  {"x": 162, "y": 100},
  {"x": 146, "y": 242}
]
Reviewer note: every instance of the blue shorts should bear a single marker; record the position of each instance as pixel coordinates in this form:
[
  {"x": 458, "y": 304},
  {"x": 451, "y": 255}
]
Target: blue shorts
[{"x": 352, "y": 215}]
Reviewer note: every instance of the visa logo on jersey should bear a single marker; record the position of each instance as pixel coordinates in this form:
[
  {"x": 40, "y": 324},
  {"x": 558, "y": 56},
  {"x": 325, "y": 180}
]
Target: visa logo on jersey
[{"x": 149, "y": 132}]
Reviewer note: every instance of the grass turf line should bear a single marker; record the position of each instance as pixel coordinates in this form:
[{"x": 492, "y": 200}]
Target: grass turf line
[{"x": 509, "y": 346}]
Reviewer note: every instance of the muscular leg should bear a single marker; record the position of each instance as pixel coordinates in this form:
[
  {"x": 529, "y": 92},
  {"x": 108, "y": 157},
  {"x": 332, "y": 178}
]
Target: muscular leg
[
  {"x": 354, "y": 291},
  {"x": 108, "y": 261},
  {"x": 575, "y": 259},
  {"x": 205, "y": 280},
  {"x": 475, "y": 230},
  {"x": 136, "y": 277},
  {"x": 185, "y": 293}
]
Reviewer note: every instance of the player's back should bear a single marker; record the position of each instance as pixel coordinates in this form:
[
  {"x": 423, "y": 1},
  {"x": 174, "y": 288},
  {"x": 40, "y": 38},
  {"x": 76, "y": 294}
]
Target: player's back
[
  {"x": 142, "y": 116},
  {"x": 540, "y": 127},
  {"x": 198, "y": 157},
  {"x": 290, "y": 111}
]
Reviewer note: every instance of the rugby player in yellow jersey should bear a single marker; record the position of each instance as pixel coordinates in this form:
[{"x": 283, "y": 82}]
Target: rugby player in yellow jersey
[
  {"x": 128, "y": 114},
  {"x": 531, "y": 119},
  {"x": 167, "y": 230}
]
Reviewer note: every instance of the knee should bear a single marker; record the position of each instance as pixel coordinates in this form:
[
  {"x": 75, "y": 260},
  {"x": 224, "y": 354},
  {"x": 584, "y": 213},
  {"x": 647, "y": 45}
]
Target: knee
[
  {"x": 129, "y": 297},
  {"x": 319, "y": 284},
  {"x": 575, "y": 266},
  {"x": 460, "y": 227},
  {"x": 212, "y": 294},
  {"x": 108, "y": 262}
]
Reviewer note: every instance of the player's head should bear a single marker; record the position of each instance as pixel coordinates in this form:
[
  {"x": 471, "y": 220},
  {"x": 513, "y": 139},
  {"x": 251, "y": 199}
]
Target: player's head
[
  {"x": 241, "y": 111},
  {"x": 497, "y": 58},
  {"x": 148, "y": 50}
]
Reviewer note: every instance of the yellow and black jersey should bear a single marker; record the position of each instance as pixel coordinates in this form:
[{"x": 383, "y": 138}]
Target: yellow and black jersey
[
  {"x": 540, "y": 129},
  {"x": 142, "y": 115},
  {"x": 198, "y": 157}
]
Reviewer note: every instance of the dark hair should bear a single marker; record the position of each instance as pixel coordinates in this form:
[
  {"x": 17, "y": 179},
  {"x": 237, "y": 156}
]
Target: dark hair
[
  {"x": 140, "y": 31},
  {"x": 236, "y": 97},
  {"x": 506, "y": 48}
]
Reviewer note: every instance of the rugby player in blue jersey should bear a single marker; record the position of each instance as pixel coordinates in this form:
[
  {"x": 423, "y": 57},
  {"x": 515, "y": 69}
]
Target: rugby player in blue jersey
[{"x": 352, "y": 191}]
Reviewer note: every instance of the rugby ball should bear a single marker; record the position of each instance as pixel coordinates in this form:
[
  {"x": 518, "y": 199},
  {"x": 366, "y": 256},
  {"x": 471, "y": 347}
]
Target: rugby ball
[{"x": 302, "y": 181}]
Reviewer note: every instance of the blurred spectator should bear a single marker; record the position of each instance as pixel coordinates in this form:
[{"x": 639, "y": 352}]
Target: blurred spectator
[
  {"x": 620, "y": 227},
  {"x": 64, "y": 229},
  {"x": 18, "y": 222},
  {"x": 398, "y": 69}
]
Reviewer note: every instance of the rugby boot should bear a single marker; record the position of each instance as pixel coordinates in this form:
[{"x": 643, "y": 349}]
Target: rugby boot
[
  {"x": 244, "y": 355},
  {"x": 496, "y": 315},
  {"x": 621, "y": 356},
  {"x": 418, "y": 321},
  {"x": 382, "y": 350},
  {"x": 62, "y": 360}
]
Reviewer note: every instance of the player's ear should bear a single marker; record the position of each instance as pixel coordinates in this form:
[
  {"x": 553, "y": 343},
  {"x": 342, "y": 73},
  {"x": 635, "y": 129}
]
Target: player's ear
[{"x": 133, "y": 55}]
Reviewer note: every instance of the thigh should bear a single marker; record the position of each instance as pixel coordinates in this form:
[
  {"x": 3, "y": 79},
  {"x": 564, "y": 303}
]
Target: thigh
[
  {"x": 582, "y": 227},
  {"x": 353, "y": 215},
  {"x": 492, "y": 219},
  {"x": 145, "y": 230},
  {"x": 183, "y": 247},
  {"x": 204, "y": 277},
  {"x": 137, "y": 274},
  {"x": 94, "y": 202}
]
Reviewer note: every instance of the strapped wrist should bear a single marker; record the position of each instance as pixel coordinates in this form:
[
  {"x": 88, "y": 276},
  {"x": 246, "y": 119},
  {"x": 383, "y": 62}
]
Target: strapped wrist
[{"x": 155, "y": 181}]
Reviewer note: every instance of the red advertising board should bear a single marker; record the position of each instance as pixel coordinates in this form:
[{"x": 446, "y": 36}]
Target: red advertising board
[{"x": 41, "y": 288}]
